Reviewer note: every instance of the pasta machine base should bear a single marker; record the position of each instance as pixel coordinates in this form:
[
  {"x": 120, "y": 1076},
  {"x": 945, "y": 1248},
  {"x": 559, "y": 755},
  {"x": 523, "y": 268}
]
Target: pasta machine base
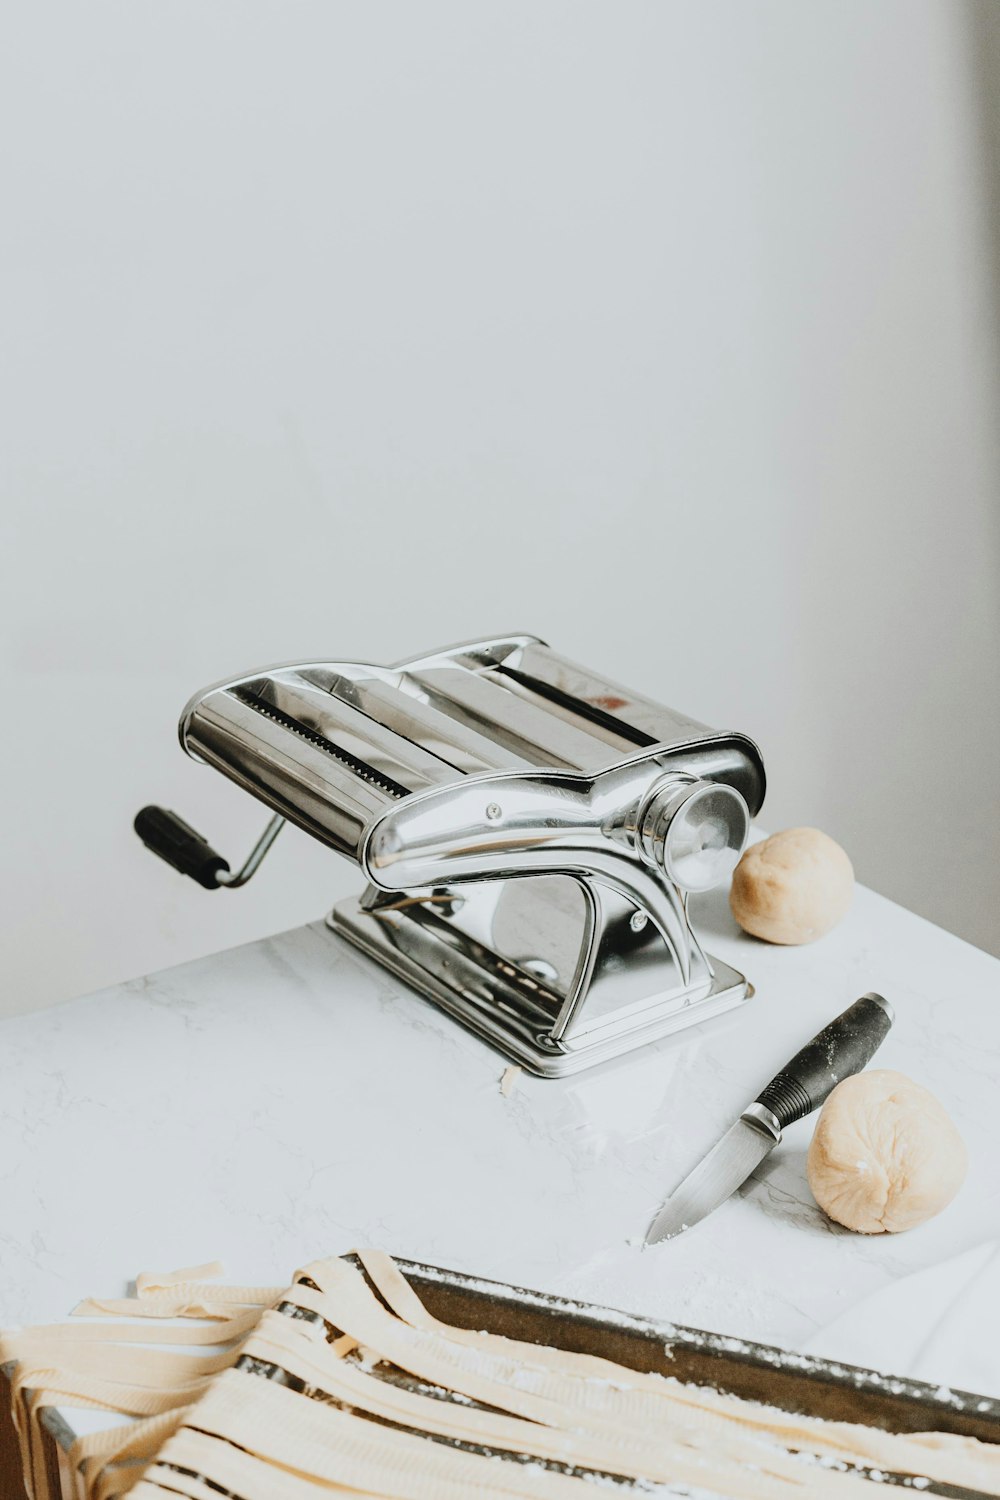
[{"x": 504, "y": 958}]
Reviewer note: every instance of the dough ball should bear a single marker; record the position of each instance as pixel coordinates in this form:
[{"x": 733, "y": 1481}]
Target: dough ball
[
  {"x": 885, "y": 1156},
  {"x": 793, "y": 887}
]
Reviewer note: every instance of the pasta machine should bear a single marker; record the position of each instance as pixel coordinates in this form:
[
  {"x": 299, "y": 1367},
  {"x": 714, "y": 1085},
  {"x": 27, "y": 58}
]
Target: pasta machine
[{"x": 530, "y": 834}]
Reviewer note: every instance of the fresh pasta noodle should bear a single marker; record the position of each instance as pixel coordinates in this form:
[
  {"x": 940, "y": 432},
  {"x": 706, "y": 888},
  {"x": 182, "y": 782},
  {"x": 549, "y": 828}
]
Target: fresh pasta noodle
[{"x": 345, "y": 1384}]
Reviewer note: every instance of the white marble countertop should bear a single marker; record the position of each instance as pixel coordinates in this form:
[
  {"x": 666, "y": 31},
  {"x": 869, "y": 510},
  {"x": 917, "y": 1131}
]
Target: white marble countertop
[{"x": 288, "y": 1100}]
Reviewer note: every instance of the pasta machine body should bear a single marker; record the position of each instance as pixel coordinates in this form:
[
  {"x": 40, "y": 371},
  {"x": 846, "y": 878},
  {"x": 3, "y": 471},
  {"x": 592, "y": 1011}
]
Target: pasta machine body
[{"x": 529, "y": 831}]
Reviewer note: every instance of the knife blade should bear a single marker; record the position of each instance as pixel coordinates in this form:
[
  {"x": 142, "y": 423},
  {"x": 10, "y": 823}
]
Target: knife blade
[{"x": 844, "y": 1047}]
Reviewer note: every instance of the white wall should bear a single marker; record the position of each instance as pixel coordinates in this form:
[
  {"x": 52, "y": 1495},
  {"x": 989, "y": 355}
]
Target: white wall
[{"x": 661, "y": 329}]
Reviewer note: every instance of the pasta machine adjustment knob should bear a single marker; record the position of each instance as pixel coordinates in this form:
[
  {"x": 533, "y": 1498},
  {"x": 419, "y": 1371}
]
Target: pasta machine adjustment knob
[{"x": 694, "y": 831}]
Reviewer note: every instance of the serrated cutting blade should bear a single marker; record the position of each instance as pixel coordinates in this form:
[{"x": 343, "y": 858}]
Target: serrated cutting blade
[{"x": 713, "y": 1180}]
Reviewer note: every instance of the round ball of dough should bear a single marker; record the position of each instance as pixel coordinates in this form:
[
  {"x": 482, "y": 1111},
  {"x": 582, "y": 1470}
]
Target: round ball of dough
[
  {"x": 885, "y": 1155},
  {"x": 793, "y": 887}
]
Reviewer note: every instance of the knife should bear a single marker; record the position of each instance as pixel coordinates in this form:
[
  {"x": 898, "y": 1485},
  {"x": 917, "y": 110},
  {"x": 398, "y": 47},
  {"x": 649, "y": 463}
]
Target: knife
[{"x": 840, "y": 1049}]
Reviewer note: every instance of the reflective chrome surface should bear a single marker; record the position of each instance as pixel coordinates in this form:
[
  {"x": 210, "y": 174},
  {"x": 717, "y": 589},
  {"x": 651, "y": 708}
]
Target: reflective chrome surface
[
  {"x": 615, "y": 990},
  {"x": 694, "y": 830},
  {"x": 453, "y": 776},
  {"x": 252, "y": 863}
]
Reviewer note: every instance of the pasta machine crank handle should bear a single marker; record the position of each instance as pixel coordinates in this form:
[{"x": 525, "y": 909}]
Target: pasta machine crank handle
[{"x": 172, "y": 839}]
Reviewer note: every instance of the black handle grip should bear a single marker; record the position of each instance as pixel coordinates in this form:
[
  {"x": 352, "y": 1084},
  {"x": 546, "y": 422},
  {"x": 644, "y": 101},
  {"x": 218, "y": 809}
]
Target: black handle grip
[
  {"x": 844, "y": 1047},
  {"x": 171, "y": 838}
]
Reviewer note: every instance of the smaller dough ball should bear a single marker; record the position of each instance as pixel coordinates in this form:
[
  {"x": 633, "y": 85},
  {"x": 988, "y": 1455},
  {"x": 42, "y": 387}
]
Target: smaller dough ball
[
  {"x": 793, "y": 887},
  {"x": 885, "y": 1155}
]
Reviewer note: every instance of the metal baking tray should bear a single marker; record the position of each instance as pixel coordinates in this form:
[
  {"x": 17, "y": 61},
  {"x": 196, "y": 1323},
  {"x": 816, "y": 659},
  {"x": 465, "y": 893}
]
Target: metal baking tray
[
  {"x": 779, "y": 1378},
  {"x": 792, "y": 1382}
]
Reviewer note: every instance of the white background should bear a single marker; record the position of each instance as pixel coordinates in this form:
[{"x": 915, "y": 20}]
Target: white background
[{"x": 666, "y": 331}]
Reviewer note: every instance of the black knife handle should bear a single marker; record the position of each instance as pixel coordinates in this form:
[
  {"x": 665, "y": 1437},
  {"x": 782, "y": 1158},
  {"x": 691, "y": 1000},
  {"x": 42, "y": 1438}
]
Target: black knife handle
[
  {"x": 844, "y": 1047},
  {"x": 171, "y": 838}
]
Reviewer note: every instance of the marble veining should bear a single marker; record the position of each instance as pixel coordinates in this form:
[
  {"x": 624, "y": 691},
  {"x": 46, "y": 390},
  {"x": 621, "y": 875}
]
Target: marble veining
[{"x": 289, "y": 1100}]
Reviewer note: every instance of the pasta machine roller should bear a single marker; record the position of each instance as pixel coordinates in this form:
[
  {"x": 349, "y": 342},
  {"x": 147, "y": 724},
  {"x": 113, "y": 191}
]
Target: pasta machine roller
[{"x": 530, "y": 833}]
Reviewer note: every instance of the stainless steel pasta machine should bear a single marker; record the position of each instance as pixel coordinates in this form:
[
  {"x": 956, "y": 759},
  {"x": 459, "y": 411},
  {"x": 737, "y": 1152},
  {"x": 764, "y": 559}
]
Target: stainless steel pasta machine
[{"x": 530, "y": 833}]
